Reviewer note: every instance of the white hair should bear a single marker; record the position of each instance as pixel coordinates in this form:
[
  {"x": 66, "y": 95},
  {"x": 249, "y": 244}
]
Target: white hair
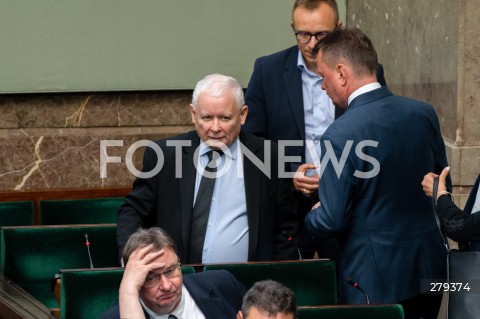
[{"x": 217, "y": 85}]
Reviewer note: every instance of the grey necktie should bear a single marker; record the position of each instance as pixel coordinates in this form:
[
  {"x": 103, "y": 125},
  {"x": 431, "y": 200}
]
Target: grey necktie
[{"x": 172, "y": 317}]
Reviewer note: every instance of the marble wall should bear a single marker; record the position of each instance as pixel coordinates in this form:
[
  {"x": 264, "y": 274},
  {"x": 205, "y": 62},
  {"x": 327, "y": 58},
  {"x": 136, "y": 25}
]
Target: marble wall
[
  {"x": 52, "y": 141},
  {"x": 429, "y": 51}
]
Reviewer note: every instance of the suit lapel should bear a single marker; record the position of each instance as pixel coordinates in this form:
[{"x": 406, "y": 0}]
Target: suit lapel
[
  {"x": 293, "y": 84},
  {"x": 253, "y": 193},
  {"x": 187, "y": 190}
]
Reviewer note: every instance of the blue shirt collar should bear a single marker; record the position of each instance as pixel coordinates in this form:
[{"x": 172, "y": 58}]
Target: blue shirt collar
[{"x": 303, "y": 67}]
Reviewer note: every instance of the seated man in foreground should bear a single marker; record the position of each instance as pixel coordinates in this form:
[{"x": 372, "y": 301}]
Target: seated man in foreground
[{"x": 153, "y": 285}]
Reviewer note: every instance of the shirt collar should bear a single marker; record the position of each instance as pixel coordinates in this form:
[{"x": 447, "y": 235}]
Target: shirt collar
[
  {"x": 303, "y": 67},
  {"x": 364, "y": 89}
]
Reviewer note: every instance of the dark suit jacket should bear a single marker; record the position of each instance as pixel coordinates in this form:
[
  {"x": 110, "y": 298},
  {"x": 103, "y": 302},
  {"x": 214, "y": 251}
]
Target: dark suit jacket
[
  {"x": 471, "y": 198},
  {"x": 391, "y": 240},
  {"x": 275, "y": 100},
  {"x": 459, "y": 226},
  {"x": 475, "y": 245},
  {"x": 167, "y": 201},
  {"x": 275, "y": 111},
  {"x": 216, "y": 292}
]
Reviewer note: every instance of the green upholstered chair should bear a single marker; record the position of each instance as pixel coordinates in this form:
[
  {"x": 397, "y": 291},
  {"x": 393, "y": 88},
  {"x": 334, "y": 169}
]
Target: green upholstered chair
[
  {"x": 313, "y": 281},
  {"x": 32, "y": 256},
  {"x": 88, "y": 293},
  {"x": 80, "y": 211},
  {"x": 19, "y": 213},
  {"x": 378, "y": 311}
]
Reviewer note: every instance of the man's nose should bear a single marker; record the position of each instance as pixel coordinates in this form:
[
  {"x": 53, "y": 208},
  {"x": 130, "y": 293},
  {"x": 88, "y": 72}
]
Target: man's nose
[
  {"x": 312, "y": 42},
  {"x": 165, "y": 283},
  {"x": 215, "y": 125}
]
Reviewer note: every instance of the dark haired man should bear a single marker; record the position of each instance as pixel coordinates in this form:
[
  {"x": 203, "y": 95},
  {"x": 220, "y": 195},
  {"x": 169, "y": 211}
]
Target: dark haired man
[
  {"x": 286, "y": 103},
  {"x": 387, "y": 144},
  {"x": 268, "y": 299}
]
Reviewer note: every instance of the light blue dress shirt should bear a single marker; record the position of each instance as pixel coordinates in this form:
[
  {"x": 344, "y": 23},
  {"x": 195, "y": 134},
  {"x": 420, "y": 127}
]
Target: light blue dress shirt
[
  {"x": 319, "y": 111},
  {"x": 226, "y": 239}
]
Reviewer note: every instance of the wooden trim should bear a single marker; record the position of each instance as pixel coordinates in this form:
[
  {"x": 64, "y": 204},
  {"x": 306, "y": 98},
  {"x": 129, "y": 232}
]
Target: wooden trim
[
  {"x": 36, "y": 195},
  {"x": 54, "y": 194}
]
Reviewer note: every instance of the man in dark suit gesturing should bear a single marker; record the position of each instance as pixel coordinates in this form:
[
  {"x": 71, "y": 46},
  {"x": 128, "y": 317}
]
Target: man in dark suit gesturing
[
  {"x": 286, "y": 103},
  {"x": 373, "y": 158},
  {"x": 246, "y": 216}
]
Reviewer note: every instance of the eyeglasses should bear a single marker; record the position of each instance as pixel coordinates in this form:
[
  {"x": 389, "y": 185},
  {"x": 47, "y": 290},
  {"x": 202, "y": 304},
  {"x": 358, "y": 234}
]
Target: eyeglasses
[
  {"x": 154, "y": 279},
  {"x": 305, "y": 37}
]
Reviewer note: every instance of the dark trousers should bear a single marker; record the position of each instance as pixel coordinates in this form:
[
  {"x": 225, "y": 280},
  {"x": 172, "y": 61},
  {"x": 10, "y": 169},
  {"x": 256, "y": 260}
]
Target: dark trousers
[{"x": 326, "y": 248}]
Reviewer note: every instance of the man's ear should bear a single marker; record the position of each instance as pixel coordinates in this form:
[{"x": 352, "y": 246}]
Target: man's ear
[
  {"x": 342, "y": 73},
  {"x": 192, "y": 113},
  {"x": 239, "y": 315},
  {"x": 243, "y": 114}
]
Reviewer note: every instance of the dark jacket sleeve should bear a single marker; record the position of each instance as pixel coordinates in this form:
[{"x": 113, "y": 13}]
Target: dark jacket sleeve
[
  {"x": 112, "y": 313},
  {"x": 458, "y": 225}
]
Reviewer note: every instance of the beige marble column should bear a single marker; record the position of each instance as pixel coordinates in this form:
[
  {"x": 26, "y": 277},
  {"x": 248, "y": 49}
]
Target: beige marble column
[{"x": 430, "y": 51}]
